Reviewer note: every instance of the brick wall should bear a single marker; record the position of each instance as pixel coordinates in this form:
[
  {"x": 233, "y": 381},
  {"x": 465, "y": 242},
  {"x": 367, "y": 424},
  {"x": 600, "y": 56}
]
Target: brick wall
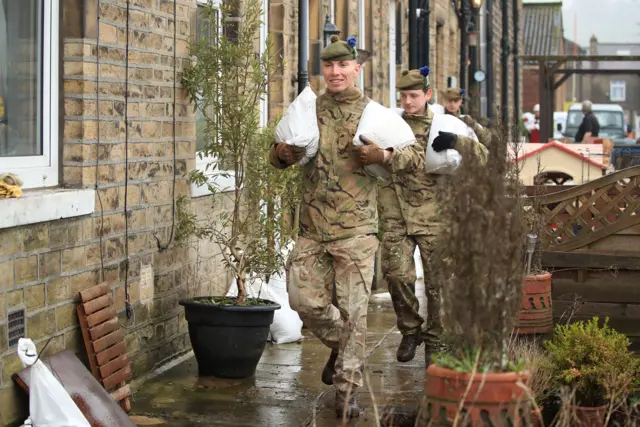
[{"x": 44, "y": 266}]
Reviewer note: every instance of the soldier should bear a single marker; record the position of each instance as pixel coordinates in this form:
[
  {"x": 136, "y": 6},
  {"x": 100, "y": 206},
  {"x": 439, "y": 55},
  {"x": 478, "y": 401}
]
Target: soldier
[
  {"x": 338, "y": 224},
  {"x": 453, "y": 98},
  {"x": 409, "y": 217}
]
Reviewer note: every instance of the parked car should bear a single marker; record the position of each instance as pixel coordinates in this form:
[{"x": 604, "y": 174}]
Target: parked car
[{"x": 610, "y": 117}]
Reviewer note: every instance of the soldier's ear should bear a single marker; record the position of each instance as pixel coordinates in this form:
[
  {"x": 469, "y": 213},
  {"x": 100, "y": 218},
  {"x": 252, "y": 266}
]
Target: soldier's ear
[{"x": 358, "y": 68}]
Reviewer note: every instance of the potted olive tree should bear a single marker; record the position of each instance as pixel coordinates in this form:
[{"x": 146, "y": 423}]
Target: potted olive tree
[
  {"x": 478, "y": 264},
  {"x": 226, "y": 82}
]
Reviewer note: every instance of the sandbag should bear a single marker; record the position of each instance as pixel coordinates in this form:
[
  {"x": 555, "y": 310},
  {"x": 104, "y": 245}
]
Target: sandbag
[
  {"x": 299, "y": 126},
  {"x": 417, "y": 259},
  {"x": 287, "y": 325},
  {"x": 49, "y": 403},
  {"x": 447, "y": 161},
  {"x": 386, "y": 128}
]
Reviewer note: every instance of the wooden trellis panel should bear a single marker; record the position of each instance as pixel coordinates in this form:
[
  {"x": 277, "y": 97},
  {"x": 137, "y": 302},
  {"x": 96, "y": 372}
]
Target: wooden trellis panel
[
  {"x": 587, "y": 213},
  {"x": 104, "y": 341}
]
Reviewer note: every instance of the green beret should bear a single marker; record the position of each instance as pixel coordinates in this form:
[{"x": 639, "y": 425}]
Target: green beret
[
  {"x": 453, "y": 94},
  {"x": 414, "y": 79},
  {"x": 339, "y": 50}
]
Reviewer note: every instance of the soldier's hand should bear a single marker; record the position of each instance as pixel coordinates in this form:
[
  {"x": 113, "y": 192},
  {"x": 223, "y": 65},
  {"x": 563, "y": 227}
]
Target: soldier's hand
[
  {"x": 469, "y": 121},
  {"x": 369, "y": 153},
  {"x": 444, "y": 141},
  {"x": 289, "y": 154}
]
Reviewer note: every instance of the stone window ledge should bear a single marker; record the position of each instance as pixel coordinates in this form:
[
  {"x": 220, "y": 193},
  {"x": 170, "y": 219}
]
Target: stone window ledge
[{"x": 46, "y": 205}]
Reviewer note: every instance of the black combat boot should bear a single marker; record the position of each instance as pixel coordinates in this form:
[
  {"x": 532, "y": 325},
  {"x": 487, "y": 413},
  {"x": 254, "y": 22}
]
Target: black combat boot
[
  {"x": 330, "y": 368},
  {"x": 407, "y": 349},
  {"x": 347, "y": 408}
]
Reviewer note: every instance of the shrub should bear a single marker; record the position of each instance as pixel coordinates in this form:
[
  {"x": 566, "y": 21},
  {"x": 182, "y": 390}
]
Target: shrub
[{"x": 593, "y": 360}]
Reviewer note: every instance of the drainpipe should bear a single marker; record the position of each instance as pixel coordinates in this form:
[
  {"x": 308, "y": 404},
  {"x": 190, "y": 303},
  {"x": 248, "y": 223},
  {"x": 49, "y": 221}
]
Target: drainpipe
[
  {"x": 505, "y": 61},
  {"x": 516, "y": 58},
  {"x": 464, "y": 43},
  {"x": 425, "y": 33},
  {"x": 303, "y": 44},
  {"x": 489, "y": 76},
  {"x": 413, "y": 34}
]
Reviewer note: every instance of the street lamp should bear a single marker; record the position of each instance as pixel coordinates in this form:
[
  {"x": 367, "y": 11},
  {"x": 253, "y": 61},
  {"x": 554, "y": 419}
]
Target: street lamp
[
  {"x": 329, "y": 30},
  {"x": 477, "y": 3}
]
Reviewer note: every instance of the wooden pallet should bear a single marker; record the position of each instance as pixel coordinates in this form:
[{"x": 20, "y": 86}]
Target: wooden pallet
[{"x": 104, "y": 341}]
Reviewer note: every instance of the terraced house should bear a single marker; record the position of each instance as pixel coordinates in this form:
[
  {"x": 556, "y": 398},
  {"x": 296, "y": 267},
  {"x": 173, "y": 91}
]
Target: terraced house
[{"x": 95, "y": 122}]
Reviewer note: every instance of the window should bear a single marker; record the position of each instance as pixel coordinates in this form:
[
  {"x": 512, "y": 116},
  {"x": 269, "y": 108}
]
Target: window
[
  {"x": 205, "y": 30},
  {"x": 618, "y": 91},
  {"x": 29, "y": 91}
]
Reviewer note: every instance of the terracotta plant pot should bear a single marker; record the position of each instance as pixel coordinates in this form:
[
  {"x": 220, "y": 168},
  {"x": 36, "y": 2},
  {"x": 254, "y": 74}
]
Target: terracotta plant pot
[
  {"x": 536, "y": 315},
  {"x": 488, "y": 397},
  {"x": 536, "y": 418},
  {"x": 589, "y": 416}
]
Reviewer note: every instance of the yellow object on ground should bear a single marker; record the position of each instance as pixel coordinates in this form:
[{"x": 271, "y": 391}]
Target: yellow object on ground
[{"x": 10, "y": 186}]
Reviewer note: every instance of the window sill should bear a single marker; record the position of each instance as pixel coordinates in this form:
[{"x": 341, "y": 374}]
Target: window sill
[
  {"x": 46, "y": 205},
  {"x": 222, "y": 184}
]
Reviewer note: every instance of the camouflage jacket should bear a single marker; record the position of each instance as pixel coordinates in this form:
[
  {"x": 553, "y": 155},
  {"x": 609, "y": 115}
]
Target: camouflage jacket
[
  {"x": 339, "y": 200},
  {"x": 483, "y": 134},
  {"x": 407, "y": 203}
]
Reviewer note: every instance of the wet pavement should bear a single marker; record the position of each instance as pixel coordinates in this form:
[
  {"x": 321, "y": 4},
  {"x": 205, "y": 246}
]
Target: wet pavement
[{"x": 287, "y": 390}]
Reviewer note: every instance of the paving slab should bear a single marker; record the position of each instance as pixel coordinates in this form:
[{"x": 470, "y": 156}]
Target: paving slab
[{"x": 287, "y": 390}]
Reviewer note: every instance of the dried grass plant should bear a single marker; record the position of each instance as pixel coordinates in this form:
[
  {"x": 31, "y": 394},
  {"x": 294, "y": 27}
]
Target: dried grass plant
[{"x": 478, "y": 258}]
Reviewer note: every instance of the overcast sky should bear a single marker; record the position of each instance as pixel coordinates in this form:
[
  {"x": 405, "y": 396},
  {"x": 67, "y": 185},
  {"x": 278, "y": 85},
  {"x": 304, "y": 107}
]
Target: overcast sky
[{"x": 612, "y": 21}]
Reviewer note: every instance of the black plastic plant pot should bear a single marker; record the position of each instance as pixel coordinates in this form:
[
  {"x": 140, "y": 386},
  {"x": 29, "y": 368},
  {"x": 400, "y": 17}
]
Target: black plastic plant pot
[{"x": 227, "y": 340}]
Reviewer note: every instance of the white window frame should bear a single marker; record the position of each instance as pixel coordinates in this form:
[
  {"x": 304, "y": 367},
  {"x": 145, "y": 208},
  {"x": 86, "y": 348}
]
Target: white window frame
[
  {"x": 42, "y": 170},
  {"x": 224, "y": 181},
  {"x": 616, "y": 86}
]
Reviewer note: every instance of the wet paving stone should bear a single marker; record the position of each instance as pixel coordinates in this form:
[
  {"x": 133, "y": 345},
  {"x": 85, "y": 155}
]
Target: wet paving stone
[{"x": 286, "y": 390}]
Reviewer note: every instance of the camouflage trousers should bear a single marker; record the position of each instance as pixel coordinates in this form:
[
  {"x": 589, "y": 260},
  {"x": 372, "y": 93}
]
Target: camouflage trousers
[
  {"x": 312, "y": 270},
  {"x": 399, "y": 270}
]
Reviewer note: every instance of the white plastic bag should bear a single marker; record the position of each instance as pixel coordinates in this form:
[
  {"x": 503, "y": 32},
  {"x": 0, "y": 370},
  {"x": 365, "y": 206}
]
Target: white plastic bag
[
  {"x": 447, "y": 161},
  {"x": 384, "y": 127},
  {"x": 286, "y": 326},
  {"x": 49, "y": 403},
  {"x": 418, "y": 261},
  {"x": 299, "y": 126},
  {"x": 436, "y": 108}
]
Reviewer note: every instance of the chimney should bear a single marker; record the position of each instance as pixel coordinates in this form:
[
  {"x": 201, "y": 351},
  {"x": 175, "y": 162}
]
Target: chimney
[{"x": 593, "y": 50}]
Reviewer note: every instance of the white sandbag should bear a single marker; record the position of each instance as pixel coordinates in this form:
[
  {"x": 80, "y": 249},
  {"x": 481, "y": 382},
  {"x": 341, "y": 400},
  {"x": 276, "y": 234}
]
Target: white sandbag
[
  {"x": 436, "y": 108},
  {"x": 49, "y": 403},
  {"x": 384, "y": 127},
  {"x": 299, "y": 126},
  {"x": 287, "y": 325},
  {"x": 418, "y": 261},
  {"x": 447, "y": 161}
]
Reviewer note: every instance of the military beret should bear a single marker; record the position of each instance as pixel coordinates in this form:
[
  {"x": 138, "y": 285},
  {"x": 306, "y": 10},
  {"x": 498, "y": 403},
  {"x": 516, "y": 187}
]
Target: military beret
[
  {"x": 414, "y": 79},
  {"x": 340, "y": 50},
  {"x": 453, "y": 94}
]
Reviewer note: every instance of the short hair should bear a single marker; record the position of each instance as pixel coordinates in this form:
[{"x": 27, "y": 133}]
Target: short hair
[{"x": 587, "y": 106}]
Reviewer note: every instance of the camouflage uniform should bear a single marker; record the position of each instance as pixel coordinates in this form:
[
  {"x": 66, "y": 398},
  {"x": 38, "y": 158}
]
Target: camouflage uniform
[
  {"x": 484, "y": 135},
  {"x": 338, "y": 227},
  {"x": 409, "y": 217}
]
